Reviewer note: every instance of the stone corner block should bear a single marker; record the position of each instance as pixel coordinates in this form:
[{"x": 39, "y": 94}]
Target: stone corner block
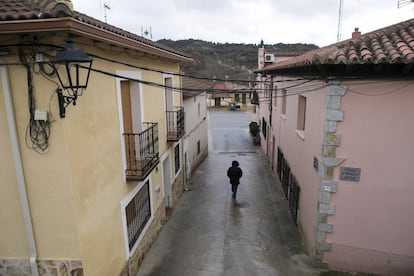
[
  {"x": 332, "y": 139},
  {"x": 326, "y": 209},
  {"x": 330, "y": 126},
  {"x": 324, "y": 246},
  {"x": 335, "y": 115},
  {"x": 334, "y": 89},
  {"x": 332, "y": 162},
  {"x": 333, "y": 102},
  {"x": 329, "y": 186},
  {"x": 324, "y": 197},
  {"x": 324, "y": 227}
]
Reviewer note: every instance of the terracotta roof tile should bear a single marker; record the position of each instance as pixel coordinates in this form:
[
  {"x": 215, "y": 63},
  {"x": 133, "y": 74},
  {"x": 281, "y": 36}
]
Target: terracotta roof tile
[
  {"x": 221, "y": 86},
  {"x": 390, "y": 45},
  {"x": 192, "y": 86},
  {"x": 30, "y": 9},
  {"x": 11, "y": 10}
]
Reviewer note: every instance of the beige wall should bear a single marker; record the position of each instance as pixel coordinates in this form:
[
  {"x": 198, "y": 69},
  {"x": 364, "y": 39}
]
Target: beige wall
[
  {"x": 75, "y": 189},
  {"x": 47, "y": 181},
  {"x": 11, "y": 218}
]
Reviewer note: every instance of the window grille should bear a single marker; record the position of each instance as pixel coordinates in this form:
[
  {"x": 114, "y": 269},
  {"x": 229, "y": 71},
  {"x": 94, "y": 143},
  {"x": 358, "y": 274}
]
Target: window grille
[
  {"x": 175, "y": 124},
  {"x": 198, "y": 147},
  {"x": 138, "y": 213},
  {"x": 264, "y": 127},
  {"x": 177, "y": 158}
]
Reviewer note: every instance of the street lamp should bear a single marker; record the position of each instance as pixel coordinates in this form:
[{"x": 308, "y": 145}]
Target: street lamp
[{"x": 72, "y": 67}]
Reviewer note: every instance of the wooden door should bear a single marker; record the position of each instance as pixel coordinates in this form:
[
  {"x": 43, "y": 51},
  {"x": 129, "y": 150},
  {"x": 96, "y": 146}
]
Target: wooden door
[{"x": 129, "y": 138}]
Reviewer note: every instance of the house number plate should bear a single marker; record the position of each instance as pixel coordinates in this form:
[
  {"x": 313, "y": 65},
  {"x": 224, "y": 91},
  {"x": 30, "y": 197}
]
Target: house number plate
[{"x": 350, "y": 174}]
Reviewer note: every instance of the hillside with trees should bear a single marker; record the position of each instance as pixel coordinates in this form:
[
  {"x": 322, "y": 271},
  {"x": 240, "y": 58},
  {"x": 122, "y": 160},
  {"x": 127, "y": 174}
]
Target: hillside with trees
[{"x": 218, "y": 60}]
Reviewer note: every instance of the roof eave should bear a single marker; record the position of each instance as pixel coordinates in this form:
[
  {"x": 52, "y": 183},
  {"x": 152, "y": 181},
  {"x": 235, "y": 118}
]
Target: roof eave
[{"x": 73, "y": 26}]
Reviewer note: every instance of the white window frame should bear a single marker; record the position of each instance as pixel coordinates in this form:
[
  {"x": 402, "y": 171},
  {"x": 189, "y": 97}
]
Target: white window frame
[
  {"x": 124, "y": 202},
  {"x": 301, "y": 117}
]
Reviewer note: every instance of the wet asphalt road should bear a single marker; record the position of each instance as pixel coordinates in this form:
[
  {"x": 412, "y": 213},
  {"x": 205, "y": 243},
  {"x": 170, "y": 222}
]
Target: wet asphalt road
[
  {"x": 209, "y": 233},
  {"x": 229, "y": 132}
]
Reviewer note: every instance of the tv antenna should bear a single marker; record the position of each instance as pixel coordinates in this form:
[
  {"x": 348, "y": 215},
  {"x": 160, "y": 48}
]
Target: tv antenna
[
  {"x": 403, "y": 3},
  {"x": 146, "y": 32},
  {"x": 105, "y": 6},
  {"x": 341, "y": 8}
]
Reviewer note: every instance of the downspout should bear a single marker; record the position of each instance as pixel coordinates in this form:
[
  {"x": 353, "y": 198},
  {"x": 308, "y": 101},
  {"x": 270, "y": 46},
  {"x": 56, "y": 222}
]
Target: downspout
[{"x": 21, "y": 183}]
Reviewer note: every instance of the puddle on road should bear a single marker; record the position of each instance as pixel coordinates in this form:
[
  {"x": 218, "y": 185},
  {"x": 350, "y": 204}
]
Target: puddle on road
[
  {"x": 239, "y": 153},
  {"x": 241, "y": 204}
]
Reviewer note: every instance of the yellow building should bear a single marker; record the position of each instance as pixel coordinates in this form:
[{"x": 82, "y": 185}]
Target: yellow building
[{"x": 86, "y": 174}]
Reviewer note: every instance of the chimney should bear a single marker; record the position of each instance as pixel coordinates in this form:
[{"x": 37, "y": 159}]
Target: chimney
[
  {"x": 356, "y": 33},
  {"x": 56, "y": 7}
]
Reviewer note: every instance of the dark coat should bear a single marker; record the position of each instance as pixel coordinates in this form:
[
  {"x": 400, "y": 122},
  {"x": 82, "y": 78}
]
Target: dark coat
[{"x": 234, "y": 173}]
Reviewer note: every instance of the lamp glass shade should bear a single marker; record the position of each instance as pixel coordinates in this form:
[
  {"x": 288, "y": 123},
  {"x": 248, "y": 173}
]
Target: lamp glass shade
[{"x": 72, "y": 66}]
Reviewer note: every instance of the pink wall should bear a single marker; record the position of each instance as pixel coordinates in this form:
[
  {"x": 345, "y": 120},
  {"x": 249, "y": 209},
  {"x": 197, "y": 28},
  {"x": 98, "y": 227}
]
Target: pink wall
[
  {"x": 374, "y": 218},
  {"x": 299, "y": 152}
]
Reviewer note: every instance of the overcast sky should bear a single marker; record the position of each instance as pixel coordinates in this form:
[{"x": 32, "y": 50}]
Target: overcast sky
[{"x": 248, "y": 21}]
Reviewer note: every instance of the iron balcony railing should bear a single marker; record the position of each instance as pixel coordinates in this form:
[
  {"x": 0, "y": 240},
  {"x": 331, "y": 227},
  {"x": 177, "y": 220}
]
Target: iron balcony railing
[
  {"x": 142, "y": 152},
  {"x": 175, "y": 124}
]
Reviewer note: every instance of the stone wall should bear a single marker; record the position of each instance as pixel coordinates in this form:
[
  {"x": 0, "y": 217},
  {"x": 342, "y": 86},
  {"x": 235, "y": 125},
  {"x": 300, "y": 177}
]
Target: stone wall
[
  {"x": 199, "y": 159},
  {"x": 21, "y": 267},
  {"x": 177, "y": 187}
]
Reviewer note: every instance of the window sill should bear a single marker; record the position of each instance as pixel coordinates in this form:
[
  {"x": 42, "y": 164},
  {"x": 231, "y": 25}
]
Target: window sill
[
  {"x": 301, "y": 134},
  {"x": 283, "y": 116}
]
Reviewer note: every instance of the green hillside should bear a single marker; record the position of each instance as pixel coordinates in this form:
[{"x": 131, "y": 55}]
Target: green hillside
[{"x": 237, "y": 61}]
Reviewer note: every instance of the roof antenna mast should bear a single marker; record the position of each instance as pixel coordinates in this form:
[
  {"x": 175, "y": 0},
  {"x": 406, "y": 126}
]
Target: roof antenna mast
[
  {"x": 403, "y": 3},
  {"x": 341, "y": 7},
  {"x": 105, "y": 6}
]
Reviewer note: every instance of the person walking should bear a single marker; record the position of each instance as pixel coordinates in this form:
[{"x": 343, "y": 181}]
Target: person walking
[{"x": 234, "y": 173}]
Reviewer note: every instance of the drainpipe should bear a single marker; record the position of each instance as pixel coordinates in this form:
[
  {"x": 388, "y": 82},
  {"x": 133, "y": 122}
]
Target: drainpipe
[{"x": 24, "y": 202}]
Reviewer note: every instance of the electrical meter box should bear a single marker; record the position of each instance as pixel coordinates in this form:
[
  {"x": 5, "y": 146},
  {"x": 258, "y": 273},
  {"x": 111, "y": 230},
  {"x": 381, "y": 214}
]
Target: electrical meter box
[{"x": 40, "y": 115}]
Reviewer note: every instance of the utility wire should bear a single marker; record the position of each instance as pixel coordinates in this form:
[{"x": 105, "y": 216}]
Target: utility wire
[
  {"x": 180, "y": 89},
  {"x": 191, "y": 76}
]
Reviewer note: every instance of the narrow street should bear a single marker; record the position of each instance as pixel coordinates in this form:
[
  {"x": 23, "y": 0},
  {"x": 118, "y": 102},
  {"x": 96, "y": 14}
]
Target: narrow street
[{"x": 210, "y": 233}]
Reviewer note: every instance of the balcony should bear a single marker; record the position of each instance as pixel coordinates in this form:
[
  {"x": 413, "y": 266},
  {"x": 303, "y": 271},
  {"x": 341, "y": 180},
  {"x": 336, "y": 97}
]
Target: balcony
[
  {"x": 175, "y": 124},
  {"x": 142, "y": 153}
]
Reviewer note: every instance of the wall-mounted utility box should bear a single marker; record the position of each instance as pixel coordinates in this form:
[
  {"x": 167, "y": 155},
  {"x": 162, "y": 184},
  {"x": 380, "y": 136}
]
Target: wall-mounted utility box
[{"x": 40, "y": 115}]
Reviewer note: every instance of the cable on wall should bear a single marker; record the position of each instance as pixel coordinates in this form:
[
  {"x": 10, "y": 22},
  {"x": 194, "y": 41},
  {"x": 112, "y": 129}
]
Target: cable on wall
[{"x": 37, "y": 131}]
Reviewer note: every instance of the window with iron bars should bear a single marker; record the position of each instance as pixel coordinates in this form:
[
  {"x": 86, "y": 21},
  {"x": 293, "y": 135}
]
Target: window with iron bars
[
  {"x": 177, "y": 158},
  {"x": 138, "y": 213}
]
